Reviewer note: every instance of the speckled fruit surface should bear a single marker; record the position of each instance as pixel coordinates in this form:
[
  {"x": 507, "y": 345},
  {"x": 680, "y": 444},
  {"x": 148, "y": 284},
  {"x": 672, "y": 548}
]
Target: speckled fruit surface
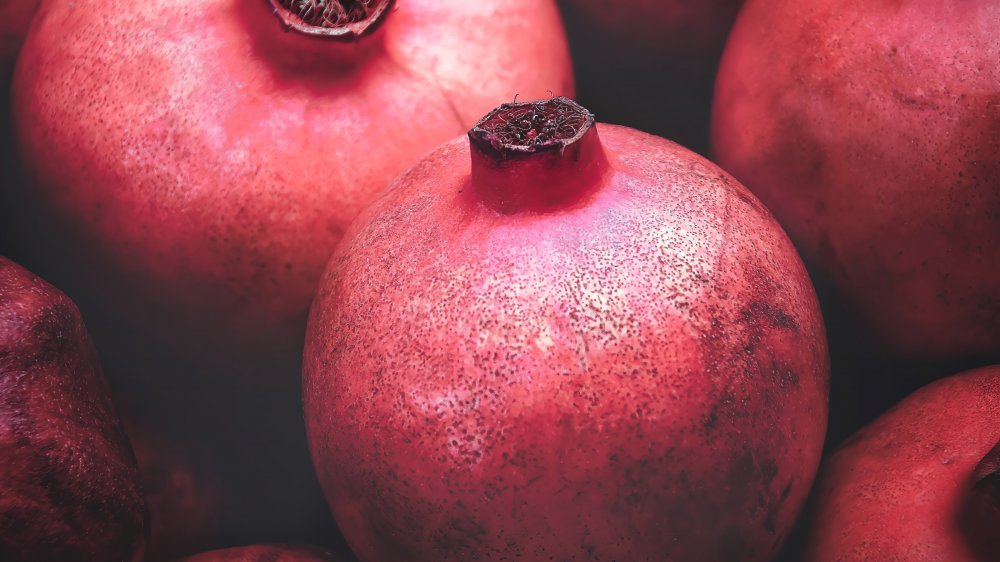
[
  {"x": 266, "y": 553},
  {"x": 901, "y": 489},
  {"x": 205, "y": 161},
  {"x": 872, "y": 131},
  {"x": 69, "y": 487},
  {"x": 606, "y": 351}
]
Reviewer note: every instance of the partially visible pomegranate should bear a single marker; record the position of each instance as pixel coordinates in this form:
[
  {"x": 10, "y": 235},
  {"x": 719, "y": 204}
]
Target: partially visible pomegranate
[
  {"x": 185, "y": 499},
  {"x": 577, "y": 346},
  {"x": 872, "y": 131},
  {"x": 69, "y": 488},
  {"x": 206, "y": 156},
  {"x": 650, "y": 64},
  {"x": 265, "y": 553},
  {"x": 671, "y": 28},
  {"x": 918, "y": 484}
]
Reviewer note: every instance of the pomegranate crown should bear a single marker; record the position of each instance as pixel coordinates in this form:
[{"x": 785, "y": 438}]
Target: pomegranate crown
[
  {"x": 522, "y": 128},
  {"x": 340, "y": 19}
]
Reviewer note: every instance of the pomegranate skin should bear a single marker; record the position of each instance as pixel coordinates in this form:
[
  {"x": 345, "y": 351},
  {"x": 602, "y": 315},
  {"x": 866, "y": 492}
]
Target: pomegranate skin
[
  {"x": 265, "y": 553},
  {"x": 210, "y": 178},
  {"x": 872, "y": 131},
  {"x": 898, "y": 490},
  {"x": 638, "y": 372},
  {"x": 69, "y": 487}
]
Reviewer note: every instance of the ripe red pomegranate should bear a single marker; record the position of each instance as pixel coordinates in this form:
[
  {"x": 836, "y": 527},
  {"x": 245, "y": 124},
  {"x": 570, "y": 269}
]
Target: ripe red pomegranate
[
  {"x": 872, "y": 131},
  {"x": 918, "y": 484},
  {"x": 206, "y": 156},
  {"x": 69, "y": 488},
  {"x": 265, "y": 553},
  {"x": 578, "y": 346}
]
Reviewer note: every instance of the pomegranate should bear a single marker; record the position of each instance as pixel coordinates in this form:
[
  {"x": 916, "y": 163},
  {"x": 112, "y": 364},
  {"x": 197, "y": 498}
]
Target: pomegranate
[
  {"x": 919, "y": 483},
  {"x": 265, "y": 553},
  {"x": 872, "y": 131},
  {"x": 185, "y": 499},
  {"x": 205, "y": 156},
  {"x": 650, "y": 64},
  {"x": 546, "y": 343},
  {"x": 69, "y": 488}
]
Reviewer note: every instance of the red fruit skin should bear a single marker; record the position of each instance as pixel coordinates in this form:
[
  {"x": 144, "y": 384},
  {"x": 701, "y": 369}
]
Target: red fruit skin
[
  {"x": 898, "y": 489},
  {"x": 638, "y": 374},
  {"x": 872, "y": 131},
  {"x": 69, "y": 488},
  {"x": 206, "y": 162},
  {"x": 265, "y": 553}
]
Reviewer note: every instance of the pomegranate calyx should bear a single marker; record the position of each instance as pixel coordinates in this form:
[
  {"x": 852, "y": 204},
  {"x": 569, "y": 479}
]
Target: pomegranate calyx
[
  {"x": 531, "y": 127},
  {"x": 337, "y": 19}
]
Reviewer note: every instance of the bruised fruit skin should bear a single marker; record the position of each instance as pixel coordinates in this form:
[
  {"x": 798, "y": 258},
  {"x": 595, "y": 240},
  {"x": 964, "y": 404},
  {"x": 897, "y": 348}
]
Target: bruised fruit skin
[
  {"x": 919, "y": 464},
  {"x": 266, "y": 553},
  {"x": 210, "y": 179},
  {"x": 872, "y": 131},
  {"x": 69, "y": 488},
  {"x": 582, "y": 346}
]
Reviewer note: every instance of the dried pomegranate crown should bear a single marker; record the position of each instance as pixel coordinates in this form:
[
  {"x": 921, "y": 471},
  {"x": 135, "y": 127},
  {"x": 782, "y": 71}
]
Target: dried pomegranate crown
[
  {"x": 529, "y": 127},
  {"x": 331, "y": 18}
]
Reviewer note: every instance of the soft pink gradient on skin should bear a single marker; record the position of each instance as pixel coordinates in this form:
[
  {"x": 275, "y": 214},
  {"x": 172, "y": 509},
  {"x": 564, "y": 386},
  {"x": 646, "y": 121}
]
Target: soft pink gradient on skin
[
  {"x": 637, "y": 371},
  {"x": 266, "y": 553},
  {"x": 897, "y": 490},
  {"x": 69, "y": 487},
  {"x": 872, "y": 131},
  {"x": 205, "y": 162}
]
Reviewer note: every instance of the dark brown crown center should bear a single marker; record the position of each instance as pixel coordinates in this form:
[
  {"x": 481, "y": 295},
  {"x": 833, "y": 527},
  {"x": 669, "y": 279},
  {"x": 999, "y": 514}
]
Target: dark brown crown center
[{"x": 532, "y": 126}]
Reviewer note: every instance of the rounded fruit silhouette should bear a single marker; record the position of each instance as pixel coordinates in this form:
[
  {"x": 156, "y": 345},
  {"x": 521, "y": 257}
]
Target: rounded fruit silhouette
[
  {"x": 69, "y": 487},
  {"x": 580, "y": 346},
  {"x": 205, "y": 159},
  {"x": 919, "y": 483},
  {"x": 872, "y": 131}
]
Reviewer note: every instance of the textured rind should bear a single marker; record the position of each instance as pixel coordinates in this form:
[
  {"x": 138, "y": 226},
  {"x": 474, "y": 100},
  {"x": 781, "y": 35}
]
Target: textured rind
[
  {"x": 69, "y": 487},
  {"x": 895, "y": 492},
  {"x": 872, "y": 131},
  {"x": 265, "y": 553},
  {"x": 210, "y": 178},
  {"x": 642, "y": 376}
]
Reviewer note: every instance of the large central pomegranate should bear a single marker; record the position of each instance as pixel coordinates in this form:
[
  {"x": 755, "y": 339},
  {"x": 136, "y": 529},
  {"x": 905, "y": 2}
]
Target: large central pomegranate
[
  {"x": 206, "y": 156},
  {"x": 577, "y": 347}
]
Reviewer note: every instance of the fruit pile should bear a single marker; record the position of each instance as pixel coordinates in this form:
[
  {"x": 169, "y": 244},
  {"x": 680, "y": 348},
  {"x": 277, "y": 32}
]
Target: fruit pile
[{"x": 367, "y": 280}]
